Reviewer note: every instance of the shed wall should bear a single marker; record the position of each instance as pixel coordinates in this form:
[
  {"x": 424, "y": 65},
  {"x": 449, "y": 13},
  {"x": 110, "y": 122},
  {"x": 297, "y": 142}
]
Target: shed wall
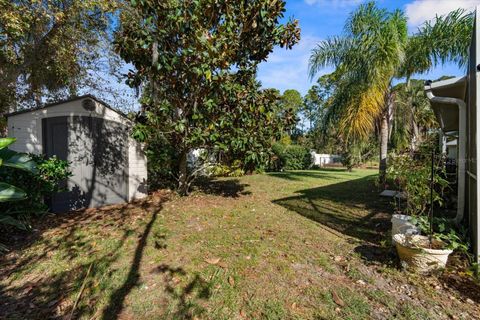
[
  {"x": 137, "y": 170},
  {"x": 27, "y": 129}
]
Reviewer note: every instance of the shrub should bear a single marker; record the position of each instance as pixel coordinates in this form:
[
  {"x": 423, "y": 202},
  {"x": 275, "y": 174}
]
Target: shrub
[
  {"x": 44, "y": 182},
  {"x": 290, "y": 157},
  {"x": 412, "y": 176},
  {"x": 223, "y": 170},
  {"x": 162, "y": 163},
  {"x": 350, "y": 159}
]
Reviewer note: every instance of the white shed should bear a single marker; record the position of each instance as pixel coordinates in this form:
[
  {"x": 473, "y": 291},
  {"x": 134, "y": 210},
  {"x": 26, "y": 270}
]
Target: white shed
[
  {"x": 108, "y": 166},
  {"x": 320, "y": 159}
]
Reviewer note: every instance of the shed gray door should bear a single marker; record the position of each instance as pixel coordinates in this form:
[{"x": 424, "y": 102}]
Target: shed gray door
[
  {"x": 97, "y": 150},
  {"x": 55, "y": 142}
]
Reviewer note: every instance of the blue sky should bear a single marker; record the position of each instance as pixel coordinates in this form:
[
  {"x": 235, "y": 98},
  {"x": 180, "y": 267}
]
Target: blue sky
[{"x": 319, "y": 19}]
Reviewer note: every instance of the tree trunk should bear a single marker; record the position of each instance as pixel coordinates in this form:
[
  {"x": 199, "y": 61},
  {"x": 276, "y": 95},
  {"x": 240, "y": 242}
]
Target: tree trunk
[
  {"x": 383, "y": 146},
  {"x": 415, "y": 137},
  {"x": 183, "y": 174}
]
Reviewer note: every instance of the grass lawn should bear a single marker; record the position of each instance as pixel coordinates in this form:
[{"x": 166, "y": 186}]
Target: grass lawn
[{"x": 293, "y": 245}]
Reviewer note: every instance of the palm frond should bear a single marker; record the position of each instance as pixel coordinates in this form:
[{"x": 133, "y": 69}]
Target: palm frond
[
  {"x": 330, "y": 52},
  {"x": 447, "y": 38},
  {"x": 358, "y": 120}
]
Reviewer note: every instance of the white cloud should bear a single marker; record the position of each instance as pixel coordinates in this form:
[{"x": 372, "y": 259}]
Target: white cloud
[
  {"x": 420, "y": 11},
  {"x": 288, "y": 69}
]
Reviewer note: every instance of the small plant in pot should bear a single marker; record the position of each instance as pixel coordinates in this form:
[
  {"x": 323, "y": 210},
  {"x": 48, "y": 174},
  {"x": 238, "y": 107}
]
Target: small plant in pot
[
  {"x": 428, "y": 252},
  {"x": 412, "y": 176}
]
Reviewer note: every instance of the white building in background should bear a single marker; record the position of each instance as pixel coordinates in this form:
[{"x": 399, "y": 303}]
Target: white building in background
[
  {"x": 451, "y": 149},
  {"x": 321, "y": 159}
]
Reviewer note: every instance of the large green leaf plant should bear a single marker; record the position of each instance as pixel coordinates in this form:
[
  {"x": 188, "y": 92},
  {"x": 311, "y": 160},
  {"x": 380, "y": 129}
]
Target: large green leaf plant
[{"x": 9, "y": 192}]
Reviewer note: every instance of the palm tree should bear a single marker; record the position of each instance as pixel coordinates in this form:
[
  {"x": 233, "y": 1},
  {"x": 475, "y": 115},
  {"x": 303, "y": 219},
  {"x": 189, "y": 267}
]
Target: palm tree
[
  {"x": 366, "y": 58},
  {"x": 375, "y": 49},
  {"x": 412, "y": 116}
]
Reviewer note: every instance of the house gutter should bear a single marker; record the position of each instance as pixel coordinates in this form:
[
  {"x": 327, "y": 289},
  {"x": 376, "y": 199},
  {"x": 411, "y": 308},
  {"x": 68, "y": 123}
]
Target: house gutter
[{"x": 462, "y": 137}]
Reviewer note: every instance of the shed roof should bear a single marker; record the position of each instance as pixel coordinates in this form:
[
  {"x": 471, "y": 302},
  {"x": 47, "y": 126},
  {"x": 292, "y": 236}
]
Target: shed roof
[{"x": 74, "y": 98}]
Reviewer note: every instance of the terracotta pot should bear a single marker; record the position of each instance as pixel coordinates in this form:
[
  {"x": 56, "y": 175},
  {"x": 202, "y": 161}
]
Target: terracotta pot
[{"x": 414, "y": 251}]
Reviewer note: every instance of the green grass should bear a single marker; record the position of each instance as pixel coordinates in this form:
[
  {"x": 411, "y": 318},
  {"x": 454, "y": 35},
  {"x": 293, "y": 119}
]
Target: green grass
[{"x": 272, "y": 246}]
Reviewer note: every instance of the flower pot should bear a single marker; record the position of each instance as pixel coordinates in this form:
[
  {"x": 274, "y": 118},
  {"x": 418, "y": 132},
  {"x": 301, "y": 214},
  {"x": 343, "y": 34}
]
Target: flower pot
[
  {"x": 402, "y": 223},
  {"x": 414, "y": 251}
]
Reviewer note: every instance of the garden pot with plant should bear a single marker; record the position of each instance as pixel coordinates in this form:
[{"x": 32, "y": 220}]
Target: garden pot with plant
[
  {"x": 420, "y": 253},
  {"x": 427, "y": 253},
  {"x": 411, "y": 176},
  {"x": 423, "y": 183}
]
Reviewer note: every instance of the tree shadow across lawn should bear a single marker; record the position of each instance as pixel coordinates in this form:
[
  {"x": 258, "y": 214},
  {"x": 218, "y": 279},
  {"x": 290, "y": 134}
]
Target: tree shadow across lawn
[
  {"x": 230, "y": 188},
  {"x": 352, "y": 208},
  {"x": 117, "y": 299},
  {"x": 185, "y": 297},
  {"x": 47, "y": 296},
  {"x": 324, "y": 173}
]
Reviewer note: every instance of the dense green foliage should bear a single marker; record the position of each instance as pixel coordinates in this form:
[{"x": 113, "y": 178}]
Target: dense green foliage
[
  {"x": 315, "y": 102},
  {"x": 196, "y": 61},
  {"x": 290, "y": 157},
  {"x": 412, "y": 174},
  {"x": 46, "y": 180},
  {"x": 50, "y": 49},
  {"x": 291, "y": 100},
  {"x": 413, "y": 116},
  {"x": 224, "y": 170},
  {"x": 11, "y": 160},
  {"x": 374, "y": 50},
  {"x": 356, "y": 153}
]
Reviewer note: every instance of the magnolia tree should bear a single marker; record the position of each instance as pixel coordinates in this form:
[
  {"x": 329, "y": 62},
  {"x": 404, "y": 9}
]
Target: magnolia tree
[{"x": 196, "y": 62}]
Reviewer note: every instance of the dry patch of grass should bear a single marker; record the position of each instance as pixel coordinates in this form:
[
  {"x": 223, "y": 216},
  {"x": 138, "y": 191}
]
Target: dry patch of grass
[{"x": 294, "y": 245}]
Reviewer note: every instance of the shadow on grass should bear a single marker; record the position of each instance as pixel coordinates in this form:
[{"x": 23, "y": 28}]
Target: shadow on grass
[
  {"x": 374, "y": 254},
  {"x": 186, "y": 296},
  {"x": 99, "y": 272},
  {"x": 230, "y": 188},
  {"x": 324, "y": 173},
  {"x": 49, "y": 297},
  {"x": 352, "y": 208},
  {"x": 115, "y": 305}
]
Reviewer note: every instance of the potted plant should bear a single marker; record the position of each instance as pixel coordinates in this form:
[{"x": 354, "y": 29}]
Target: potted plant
[
  {"x": 425, "y": 253},
  {"x": 421, "y": 253},
  {"x": 446, "y": 238},
  {"x": 412, "y": 175}
]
